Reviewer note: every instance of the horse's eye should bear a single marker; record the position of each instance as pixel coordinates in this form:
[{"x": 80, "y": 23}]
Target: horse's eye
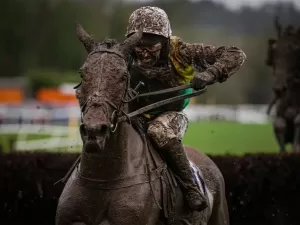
[
  {"x": 80, "y": 71},
  {"x": 124, "y": 77}
]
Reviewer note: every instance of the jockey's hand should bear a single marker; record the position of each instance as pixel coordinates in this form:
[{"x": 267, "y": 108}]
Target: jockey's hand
[{"x": 200, "y": 80}]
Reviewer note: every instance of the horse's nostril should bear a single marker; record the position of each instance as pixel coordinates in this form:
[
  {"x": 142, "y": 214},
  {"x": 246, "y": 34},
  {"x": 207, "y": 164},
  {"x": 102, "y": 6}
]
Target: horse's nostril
[
  {"x": 82, "y": 130},
  {"x": 103, "y": 129}
]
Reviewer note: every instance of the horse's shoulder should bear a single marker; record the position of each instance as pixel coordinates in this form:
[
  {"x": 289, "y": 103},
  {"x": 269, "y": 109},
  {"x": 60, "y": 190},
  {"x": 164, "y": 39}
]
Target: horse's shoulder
[{"x": 197, "y": 156}]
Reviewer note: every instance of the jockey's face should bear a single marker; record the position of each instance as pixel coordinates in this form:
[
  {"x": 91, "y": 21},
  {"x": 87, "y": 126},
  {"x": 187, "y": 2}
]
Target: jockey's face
[
  {"x": 148, "y": 55},
  {"x": 148, "y": 50}
]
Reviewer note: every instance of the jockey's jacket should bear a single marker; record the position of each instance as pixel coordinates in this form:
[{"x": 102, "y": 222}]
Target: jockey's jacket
[{"x": 182, "y": 62}]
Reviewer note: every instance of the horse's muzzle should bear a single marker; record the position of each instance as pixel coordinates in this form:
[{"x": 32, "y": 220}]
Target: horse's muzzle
[
  {"x": 98, "y": 129},
  {"x": 94, "y": 135}
]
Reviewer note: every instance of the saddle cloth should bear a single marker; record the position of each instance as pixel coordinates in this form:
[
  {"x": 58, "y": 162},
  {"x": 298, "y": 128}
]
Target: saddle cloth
[
  {"x": 199, "y": 180},
  {"x": 198, "y": 177}
]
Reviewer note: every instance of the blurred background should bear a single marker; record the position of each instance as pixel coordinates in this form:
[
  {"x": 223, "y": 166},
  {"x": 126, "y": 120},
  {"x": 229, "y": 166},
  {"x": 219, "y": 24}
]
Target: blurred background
[{"x": 40, "y": 55}]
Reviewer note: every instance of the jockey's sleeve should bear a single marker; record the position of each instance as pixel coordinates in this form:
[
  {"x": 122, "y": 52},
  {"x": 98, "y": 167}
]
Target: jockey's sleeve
[{"x": 222, "y": 61}]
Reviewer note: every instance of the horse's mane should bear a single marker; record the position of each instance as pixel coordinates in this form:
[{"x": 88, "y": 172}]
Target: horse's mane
[{"x": 108, "y": 43}]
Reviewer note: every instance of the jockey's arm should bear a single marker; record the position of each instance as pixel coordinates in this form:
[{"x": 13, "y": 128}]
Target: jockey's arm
[{"x": 221, "y": 62}]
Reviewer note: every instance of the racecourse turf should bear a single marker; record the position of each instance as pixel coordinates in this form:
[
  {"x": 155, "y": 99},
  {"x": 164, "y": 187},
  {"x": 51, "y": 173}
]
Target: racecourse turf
[
  {"x": 7, "y": 139},
  {"x": 231, "y": 138},
  {"x": 214, "y": 137}
]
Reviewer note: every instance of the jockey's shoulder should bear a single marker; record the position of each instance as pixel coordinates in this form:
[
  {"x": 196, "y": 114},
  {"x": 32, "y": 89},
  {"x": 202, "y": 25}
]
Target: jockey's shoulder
[
  {"x": 177, "y": 45},
  {"x": 175, "y": 40}
]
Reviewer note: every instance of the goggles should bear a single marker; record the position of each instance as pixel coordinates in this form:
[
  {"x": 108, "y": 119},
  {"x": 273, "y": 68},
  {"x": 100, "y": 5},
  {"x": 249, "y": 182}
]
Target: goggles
[{"x": 151, "y": 48}]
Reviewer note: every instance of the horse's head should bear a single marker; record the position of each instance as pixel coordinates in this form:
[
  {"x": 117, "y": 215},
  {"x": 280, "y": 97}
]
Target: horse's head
[
  {"x": 284, "y": 53},
  {"x": 105, "y": 82}
]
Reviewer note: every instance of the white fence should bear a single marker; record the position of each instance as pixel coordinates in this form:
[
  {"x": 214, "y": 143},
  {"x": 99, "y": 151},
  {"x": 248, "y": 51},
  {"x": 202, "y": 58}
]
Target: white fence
[
  {"x": 66, "y": 135},
  {"x": 239, "y": 113},
  {"x": 66, "y": 138}
]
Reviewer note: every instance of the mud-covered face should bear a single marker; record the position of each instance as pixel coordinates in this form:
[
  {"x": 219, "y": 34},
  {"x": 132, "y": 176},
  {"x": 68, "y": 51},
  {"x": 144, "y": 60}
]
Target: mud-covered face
[
  {"x": 148, "y": 54},
  {"x": 148, "y": 50},
  {"x": 104, "y": 83}
]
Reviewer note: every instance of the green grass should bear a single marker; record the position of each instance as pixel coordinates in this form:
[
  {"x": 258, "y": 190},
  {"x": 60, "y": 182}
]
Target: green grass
[
  {"x": 212, "y": 137},
  {"x": 231, "y": 138},
  {"x": 5, "y": 140}
]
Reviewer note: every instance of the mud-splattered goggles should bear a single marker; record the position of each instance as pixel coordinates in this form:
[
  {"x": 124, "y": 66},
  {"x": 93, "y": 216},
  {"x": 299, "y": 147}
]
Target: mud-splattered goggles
[{"x": 151, "y": 48}]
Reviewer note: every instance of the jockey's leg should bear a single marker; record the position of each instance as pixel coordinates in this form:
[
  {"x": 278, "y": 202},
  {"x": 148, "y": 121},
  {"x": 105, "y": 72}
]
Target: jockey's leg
[
  {"x": 166, "y": 131},
  {"x": 280, "y": 129},
  {"x": 296, "y": 142}
]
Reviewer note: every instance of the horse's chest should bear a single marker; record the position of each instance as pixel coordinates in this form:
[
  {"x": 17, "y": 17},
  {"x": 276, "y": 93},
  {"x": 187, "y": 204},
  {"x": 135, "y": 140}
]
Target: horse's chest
[{"x": 133, "y": 205}]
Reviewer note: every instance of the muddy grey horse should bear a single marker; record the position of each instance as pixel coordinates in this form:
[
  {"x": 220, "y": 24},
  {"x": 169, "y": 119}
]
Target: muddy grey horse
[
  {"x": 121, "y": 179},
  {"x": 283, "y": 56}
]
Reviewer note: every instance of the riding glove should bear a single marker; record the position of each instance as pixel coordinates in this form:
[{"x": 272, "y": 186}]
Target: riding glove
[{"x": 202, "y": 79}]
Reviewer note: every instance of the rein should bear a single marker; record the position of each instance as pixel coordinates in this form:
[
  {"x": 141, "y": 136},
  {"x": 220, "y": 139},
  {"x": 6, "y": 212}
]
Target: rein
[
  {"x": 127, "y": 117},
  {"x": 179, "y": 88},
  {"x": 160, "y": 103}
]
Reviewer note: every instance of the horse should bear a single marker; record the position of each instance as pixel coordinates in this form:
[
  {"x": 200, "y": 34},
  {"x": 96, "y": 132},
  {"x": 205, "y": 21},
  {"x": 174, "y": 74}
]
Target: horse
[
  {"x": 283, "y": 56},
  {"x": 120, "y": 177}
]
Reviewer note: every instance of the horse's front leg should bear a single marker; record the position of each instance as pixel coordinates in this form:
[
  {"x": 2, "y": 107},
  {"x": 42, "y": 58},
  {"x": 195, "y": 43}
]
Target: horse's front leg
[
  {"x": 296, "y": 140},
  {"x": 280, "y": 129},
  {"x": 79, "y": 205}
]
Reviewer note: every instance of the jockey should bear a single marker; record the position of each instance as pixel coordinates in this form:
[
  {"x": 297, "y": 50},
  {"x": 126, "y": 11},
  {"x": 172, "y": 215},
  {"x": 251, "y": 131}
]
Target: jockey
[{"x": 163, "y": 61}]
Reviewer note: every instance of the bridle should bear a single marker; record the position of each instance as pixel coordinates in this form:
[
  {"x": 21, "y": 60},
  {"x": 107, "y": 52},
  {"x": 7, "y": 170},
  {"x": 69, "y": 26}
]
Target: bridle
[{"x": 97, "y": 99}]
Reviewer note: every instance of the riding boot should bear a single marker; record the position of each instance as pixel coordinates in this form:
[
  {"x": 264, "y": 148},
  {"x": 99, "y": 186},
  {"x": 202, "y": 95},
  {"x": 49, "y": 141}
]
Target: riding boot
[{"x": 177, "y": 159}]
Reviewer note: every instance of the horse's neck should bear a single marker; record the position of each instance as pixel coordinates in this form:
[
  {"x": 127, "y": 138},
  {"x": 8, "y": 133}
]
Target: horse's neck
[{"x": 123, "y": 156}]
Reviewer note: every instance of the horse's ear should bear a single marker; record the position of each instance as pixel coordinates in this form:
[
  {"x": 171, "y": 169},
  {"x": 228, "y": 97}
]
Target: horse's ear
[
  {"x": 88, "y": 42},
  {"x": 132, "y": 41}
]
